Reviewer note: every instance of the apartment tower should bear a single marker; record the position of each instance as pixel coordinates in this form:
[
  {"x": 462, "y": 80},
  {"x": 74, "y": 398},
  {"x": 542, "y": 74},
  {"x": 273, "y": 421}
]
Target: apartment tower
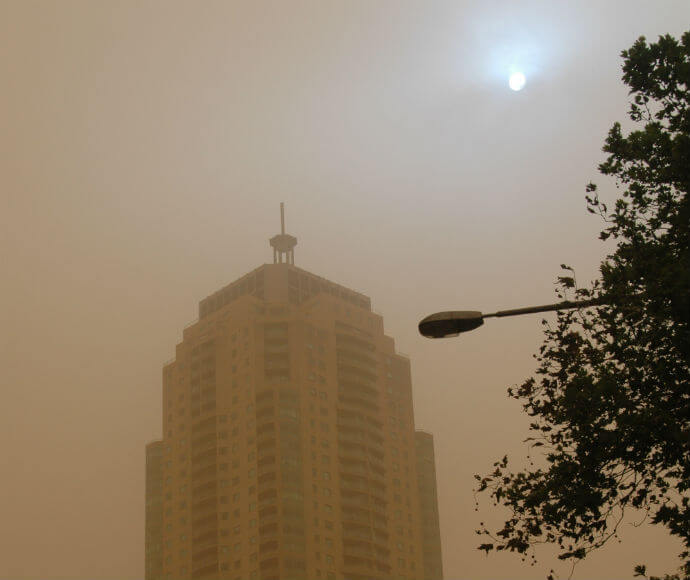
[{"x": 289, "y": 449}]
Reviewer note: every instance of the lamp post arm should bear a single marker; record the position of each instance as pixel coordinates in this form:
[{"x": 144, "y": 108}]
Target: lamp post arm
[{"x": 566, "y": 305}]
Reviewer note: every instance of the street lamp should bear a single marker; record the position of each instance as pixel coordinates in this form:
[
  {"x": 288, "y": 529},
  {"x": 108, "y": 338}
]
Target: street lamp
[{"x": 452, "y": 323}]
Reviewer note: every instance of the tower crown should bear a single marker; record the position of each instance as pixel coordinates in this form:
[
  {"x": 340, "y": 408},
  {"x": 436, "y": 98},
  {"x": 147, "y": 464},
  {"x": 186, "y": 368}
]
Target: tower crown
[{"x": 283, "y": 244}]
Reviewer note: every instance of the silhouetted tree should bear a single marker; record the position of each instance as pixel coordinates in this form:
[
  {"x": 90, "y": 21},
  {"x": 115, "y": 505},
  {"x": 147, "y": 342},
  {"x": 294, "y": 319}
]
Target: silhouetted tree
[{"x": 610, "y": 403}]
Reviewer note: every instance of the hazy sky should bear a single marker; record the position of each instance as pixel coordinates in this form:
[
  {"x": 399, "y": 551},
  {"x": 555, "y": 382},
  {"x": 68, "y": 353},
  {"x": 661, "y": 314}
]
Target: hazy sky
[{"x": 144, "y": 150}]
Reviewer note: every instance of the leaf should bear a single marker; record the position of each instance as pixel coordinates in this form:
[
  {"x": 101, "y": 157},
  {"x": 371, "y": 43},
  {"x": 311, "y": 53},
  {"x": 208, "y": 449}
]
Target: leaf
[
  {"x": 567, "y": 281},
  {"x": 486, "y": 547}
]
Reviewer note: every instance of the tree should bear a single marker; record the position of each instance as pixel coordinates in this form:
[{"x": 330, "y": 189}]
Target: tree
[{"x": 610, "y": 402}]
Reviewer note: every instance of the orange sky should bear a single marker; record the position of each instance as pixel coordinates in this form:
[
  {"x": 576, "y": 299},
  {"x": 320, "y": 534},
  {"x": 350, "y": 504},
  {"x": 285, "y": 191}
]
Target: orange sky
[{"x": 144, "y": 149}]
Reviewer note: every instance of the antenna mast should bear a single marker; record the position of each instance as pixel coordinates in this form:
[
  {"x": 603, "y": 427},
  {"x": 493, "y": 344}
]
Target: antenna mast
[{"x": 283, "y": 244}]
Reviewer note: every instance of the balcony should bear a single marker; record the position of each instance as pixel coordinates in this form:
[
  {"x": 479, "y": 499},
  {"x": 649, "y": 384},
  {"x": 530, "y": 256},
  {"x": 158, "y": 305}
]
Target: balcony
[
  {"x": 349, "y": 434},
  {"x": 265, "y": 412},
  {"x": 204, "y": 426},
  {"x": 269, "y": 468},
  {"x": 268, "y": 475},
  {"x": 199, "y": 557},
  {"x": 354, "y": 342},
  {"x": 205, "y": 473},
  {"x": 278, "y": 375},
  {"x": 362, "y": 355},
  {"x": 206, "y": 538},
  {"x": 356, "y": 365},
  {"x": 268, "y": 530},
  {"x": 363, "y": 551},
  {"x": 202, "y": 457},
  {"x": 353, "y": 457},
  {"x": 353, "y": 384},
  {"x": 358, "y": 419},
  {"x": 205, "y": 488},
  {"x": 276, "y": 347},
  {"x": 203, "y": 523},
  {"x": 269, "y": 546},
  {"x": 208, "y": 461},
  {"x": 353, "y": 483},
  {"x": 207, "y": 572},
  {"x": 204, "y": 439},
  {"x": 350, "y": 472},
  {"x": 265, "y": 426},
  {"x": 358, "y": 402},
  {"x": 269, "y": 564},
  {"x": 268, "y": 503},
  {"x": 353, "y": 497},
  {"x": 208, "y": 504},
  {"x": 207, "y": 534},
  {"x": 266, "y": 443},
  {"x": 355, "y": 425},
  {"x": 210, "y": 448},
  {"x": 379, "y": 522},
  {"x": 356, "y": 515},
  {"x": 357, "y": 533},
  {"x": 356, "y": 374},
  {"x": 203, "y": 568},
  {"x": 268, "y": 513}
]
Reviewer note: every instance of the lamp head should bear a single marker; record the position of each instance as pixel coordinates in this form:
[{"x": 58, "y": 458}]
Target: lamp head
[{"x": 451, "y": 323}]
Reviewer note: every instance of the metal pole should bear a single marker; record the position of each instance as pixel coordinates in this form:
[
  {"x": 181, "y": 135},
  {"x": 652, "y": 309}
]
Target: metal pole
[{"x": 566, "y": 305}]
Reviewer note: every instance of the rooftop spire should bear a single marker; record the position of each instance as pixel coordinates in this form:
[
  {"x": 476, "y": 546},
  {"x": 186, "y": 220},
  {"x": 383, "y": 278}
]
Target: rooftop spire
[{"x": 283, "y": 244}]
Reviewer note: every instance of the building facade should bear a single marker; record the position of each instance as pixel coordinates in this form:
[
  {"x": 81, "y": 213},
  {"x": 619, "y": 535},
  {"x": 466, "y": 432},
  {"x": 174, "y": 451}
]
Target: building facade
[
  {"x": 289, "y": 449},
  {"x": 428, "y": 503}
]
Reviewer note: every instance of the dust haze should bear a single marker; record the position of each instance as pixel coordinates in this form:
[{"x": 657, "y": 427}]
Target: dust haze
[{"x": 145, "y": 149}]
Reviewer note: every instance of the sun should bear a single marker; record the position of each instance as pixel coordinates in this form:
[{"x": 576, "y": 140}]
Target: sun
[{"x": 517, "y": 81}]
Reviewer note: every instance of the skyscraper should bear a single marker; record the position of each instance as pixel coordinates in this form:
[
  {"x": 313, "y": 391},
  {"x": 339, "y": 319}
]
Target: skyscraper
[{"x": 289, "y": 449}]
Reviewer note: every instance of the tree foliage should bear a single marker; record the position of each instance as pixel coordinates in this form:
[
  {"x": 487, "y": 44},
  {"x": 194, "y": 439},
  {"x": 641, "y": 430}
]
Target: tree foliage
[{"x": 610, "y": 402}]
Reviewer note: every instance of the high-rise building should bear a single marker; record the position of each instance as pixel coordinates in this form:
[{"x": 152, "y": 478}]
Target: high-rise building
[
  {"x": 428, "y": 502},
  {"x": 154, "y": 510},
  {"x": 289, "y": 449}
]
